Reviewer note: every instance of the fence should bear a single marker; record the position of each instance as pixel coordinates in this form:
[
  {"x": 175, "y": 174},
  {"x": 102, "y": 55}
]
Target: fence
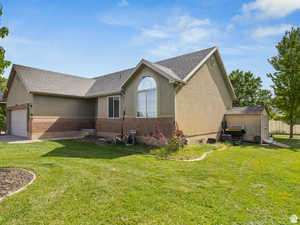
[{"x": 279, "y": 127}]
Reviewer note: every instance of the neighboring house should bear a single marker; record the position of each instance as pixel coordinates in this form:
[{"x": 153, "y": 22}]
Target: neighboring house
[{"x": 190, "y": 92}]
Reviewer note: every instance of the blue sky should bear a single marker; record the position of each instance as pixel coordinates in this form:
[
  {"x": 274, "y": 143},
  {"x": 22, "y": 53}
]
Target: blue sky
[{"x": 94, "y": 37}]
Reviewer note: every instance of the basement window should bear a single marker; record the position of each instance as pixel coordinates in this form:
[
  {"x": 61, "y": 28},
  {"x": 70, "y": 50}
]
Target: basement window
[{"x": 114, "y": 107}]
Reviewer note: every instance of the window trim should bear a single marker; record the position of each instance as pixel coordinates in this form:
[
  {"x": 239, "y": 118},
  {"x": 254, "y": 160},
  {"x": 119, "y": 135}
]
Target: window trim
[
  {"x": 107, "y": 99},
  {"x": 146, "y": 90}
]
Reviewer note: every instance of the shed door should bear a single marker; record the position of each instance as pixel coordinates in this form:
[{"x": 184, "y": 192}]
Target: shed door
[{"x": 19, "y": 122}]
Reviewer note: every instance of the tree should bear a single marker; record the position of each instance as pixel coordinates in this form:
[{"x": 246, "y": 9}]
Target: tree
[
  {"x": 3, "y": 65},
  {"x": 286, "y": 79},
  {"x": 248, "y": 89}
]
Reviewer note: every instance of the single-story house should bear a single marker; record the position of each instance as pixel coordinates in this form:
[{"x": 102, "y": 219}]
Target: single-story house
[{"x": 190, "y": 92}]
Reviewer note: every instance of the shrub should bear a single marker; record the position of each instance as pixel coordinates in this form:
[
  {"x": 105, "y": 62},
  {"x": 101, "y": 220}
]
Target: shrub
[
  {"x": 157, "y": 139},
  {"x": 176, "y": 142}
]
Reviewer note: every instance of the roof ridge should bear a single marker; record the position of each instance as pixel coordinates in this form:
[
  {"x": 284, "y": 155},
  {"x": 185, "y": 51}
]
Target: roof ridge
[
  {"x": 187, "y": 54},
  {"x": 169, "y": 70},
  {"x": 156, "y": 62},
  {"x": 109, "y": 74},
  {"x": 49, "y": 71}
]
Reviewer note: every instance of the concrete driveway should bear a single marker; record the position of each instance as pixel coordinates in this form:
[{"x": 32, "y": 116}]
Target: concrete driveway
[
  {"x": 22, "y": 140},
  {"x": 14, "y": 139}
]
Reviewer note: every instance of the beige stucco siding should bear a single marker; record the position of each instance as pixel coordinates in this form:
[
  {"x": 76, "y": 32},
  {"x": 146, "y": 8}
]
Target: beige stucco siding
[
  {"x": 63, "y": 107},
  {"x": 18, "y": 94},
  {"x": 165, "y": 96},
  {"x": 251, "y": 123},
  {"x": 202, "y": 102}
]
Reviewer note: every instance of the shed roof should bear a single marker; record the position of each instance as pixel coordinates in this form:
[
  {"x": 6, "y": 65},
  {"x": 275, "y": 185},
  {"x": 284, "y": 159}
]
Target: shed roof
[{"x": 250, "y": 110}]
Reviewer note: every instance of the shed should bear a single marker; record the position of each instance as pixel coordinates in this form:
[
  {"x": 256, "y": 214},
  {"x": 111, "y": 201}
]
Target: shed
[{"x": 254, "y": 119}]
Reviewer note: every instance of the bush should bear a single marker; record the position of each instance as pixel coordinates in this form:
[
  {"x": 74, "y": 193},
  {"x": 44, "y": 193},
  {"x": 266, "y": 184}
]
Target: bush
[{"x": 176, "y": 142}]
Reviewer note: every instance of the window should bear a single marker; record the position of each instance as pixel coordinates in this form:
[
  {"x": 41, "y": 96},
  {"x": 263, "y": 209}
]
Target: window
[
  {"x": 146, "y": 98},
  {"x": 114, "y": 106}
]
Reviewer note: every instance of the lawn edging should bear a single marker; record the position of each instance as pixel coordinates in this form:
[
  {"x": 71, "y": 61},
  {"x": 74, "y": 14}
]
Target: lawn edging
[
  {"x": 22, "y": 188},
  {"x": 203, "y": 156}
]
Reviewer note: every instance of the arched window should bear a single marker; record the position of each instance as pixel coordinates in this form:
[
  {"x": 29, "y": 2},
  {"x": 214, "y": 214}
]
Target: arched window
[{"x": 146, "y": 98}]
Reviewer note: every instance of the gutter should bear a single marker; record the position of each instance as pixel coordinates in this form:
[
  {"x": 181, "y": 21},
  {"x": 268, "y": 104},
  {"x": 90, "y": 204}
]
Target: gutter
[{"x": 74, "y": 96}]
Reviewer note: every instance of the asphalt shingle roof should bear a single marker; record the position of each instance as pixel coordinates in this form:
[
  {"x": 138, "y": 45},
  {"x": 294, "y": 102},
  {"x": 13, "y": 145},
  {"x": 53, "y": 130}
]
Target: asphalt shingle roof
[
  {"x": 177, "y": 67},
  {"x": 109, "y": 83},
  {"x": 184, "y": 64},
  {"x": 245, "y": 110},
  {"x": 42, "y": 81}
]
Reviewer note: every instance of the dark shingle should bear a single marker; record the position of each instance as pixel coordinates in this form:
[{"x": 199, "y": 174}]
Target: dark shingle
[
  {"x": 37, "y": 80},
  {"x": 178, "y": 67},
  {"x": 110, "y": 83},
  {"x": 184, "y": 64},
  {"x": 43, "y": 81}
]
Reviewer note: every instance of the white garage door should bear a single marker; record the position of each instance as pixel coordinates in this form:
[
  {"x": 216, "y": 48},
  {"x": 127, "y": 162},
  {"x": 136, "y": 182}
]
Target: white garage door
[{"x": 19, "y": 122}]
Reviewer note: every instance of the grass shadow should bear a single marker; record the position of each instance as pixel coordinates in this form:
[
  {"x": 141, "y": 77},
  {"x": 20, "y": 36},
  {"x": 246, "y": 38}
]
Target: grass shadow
[
  {"x": 293, "y": 143},
  {"x": 79, "y": 149}
]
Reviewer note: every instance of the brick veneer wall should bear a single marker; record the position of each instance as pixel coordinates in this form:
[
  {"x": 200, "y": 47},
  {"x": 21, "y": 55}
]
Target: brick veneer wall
[
  {"x": 58, "y": 127},
  {"x": 143, "y": 126}
]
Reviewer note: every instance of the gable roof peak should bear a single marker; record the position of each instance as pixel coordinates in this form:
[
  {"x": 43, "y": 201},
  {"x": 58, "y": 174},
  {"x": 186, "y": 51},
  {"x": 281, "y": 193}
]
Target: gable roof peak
[{"x": 188, "y": 54}]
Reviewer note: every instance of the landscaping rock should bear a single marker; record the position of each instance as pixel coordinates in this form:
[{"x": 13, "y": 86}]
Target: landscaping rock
[{"x": 13, "y": 179}]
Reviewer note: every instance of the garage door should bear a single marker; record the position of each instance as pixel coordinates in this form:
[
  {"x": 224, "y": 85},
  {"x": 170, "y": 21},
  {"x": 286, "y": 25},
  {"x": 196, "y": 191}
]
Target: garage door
[{"x": 19, "y": 122}]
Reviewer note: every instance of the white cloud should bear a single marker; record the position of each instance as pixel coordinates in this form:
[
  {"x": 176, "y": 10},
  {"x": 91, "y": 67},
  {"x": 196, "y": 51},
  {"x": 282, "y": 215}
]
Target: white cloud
[
  {"x": 262, "y": 9},
  {"x": 230, "y": 27},
  {"x": 186, "y": 22},
  {"x": 120, "y": 20},
  {"x": 176, "y": 34},
  {"x": 242, "y": 49},
  {"x": 156, "y": 32},
  {"x": 164, "y": 50},
  {"x": 194, "y": 35},
  {"x": 123, "y": 3},
  {"x": 262, "y": 32}
]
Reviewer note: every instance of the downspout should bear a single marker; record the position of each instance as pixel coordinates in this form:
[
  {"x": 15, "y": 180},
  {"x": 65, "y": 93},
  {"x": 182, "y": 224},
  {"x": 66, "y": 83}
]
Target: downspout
[{"x": 123, "y": 117}]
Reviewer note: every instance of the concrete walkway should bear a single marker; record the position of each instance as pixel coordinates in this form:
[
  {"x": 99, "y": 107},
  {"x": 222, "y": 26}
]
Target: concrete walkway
[{"x": 11, "y": 139}]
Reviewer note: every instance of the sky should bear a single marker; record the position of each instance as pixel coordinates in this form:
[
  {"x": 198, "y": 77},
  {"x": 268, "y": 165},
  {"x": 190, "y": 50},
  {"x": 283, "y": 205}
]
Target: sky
[{"x": 94, "y": 37}]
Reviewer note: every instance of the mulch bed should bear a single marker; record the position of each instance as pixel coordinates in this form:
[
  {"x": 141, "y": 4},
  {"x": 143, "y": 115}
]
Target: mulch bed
[{"x": 12, "y": 179}]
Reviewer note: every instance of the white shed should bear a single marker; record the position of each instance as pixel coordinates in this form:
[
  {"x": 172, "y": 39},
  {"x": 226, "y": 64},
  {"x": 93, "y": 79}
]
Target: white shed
[{"x": 254, "y": 119}]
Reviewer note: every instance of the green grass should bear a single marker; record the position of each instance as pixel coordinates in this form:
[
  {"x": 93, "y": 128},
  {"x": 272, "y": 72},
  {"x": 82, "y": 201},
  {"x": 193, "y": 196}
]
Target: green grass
[
  {"x": 82, "y": 183},
  {"x": 189, "y": 152},
  {"x": 293, "y": 143}
]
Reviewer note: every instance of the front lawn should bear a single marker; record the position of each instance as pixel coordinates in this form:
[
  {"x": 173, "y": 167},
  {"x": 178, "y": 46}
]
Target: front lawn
[
  {"x": 82, "y": 183},
  {"x": 186, "y": 153}
]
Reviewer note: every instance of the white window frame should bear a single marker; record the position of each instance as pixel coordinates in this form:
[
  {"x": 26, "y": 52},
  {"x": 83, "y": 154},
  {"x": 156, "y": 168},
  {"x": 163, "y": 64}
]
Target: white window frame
[
  {"x": 156, "y": 97},
  {"x": 107, "y": 99}
]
